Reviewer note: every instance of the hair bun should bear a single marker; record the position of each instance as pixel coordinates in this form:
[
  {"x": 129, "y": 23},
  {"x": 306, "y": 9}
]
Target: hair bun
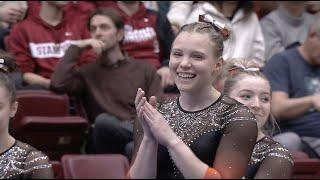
[
  {"x": 7, "y": 62},
  {"x": 225, "y": 32}
]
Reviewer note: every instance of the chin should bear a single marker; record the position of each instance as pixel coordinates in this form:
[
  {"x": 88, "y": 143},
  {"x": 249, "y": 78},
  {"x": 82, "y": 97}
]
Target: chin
[{"x": 185, "y": 87}]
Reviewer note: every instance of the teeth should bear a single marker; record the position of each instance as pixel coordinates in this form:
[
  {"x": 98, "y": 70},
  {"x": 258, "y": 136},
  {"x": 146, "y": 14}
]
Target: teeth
[{"x": 186, "y": 75}]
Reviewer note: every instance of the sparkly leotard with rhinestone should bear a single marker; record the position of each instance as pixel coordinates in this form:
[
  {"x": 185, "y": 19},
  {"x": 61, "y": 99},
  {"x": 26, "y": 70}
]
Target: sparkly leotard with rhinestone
[
  {"x": 22, "y": 161},
  {"x": 202, "y": 130},
  {"x": 277, "y": 160}
]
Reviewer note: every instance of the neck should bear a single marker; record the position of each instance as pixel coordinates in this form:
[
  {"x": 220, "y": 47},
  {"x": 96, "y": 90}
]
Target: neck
[
  {"x": 303, "y": 50},
  {"x": 50, "y": 13},
  {"x": 294, "y": 9},
  {"x": 129, "y": 9},
  {"x": 227, "y": 9},
  {"x": 198, "y": 100},
  {"x": 112, "y": 56},
  {"x": 6, "y": 141},
  {"x": 260, "y": 135}
]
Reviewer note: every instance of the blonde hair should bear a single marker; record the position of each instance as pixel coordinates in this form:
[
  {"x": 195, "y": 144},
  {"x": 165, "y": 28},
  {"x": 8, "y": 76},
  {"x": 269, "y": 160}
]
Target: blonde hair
[
  {"x": 216, "y": 35},
  {"x": 236, "y": 69}
]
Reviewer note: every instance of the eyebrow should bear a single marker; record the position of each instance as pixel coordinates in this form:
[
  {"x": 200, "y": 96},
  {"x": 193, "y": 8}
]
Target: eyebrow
[
  {"x": 266, "y": 93},
  {"x": 192, "y": 52},
  {"x": 198, "y": 52},
  {"x": 99, "y": 25},
  {"x": 176, "y": 49},
  {"x": 245, "y": 90},
  {"x": 248, "y": 90}
]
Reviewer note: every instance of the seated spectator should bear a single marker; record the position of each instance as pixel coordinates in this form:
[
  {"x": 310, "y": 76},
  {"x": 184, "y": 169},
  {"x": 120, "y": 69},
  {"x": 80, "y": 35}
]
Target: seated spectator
[
  {"x": 262, "y": 8},
  {"x": 17, "y": 159},
  {"x": 148, "y": 36},
  {"x": 109, "y": 85},
  {"x": 313, "y": 7},
  {"x": 40, "y": 41},
  {"x": 248, "y": 85},
  {"x": 74, "y": 9},
  {"x": 159, "y": 6},
  {"x": 288, "y": 24},
  {"x": 11, "y": 12},
  {"x": 178, "y": 13},
  {"x": 246, "y": 40},
  {"x": 294, "y": 78}
]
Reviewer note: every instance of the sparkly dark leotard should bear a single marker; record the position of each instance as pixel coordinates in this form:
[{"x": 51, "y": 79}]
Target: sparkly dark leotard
[
  {"x": 270, "y": 159},
  {"x": 22, "y": 161},
  {"x": 203, "y": 130}
]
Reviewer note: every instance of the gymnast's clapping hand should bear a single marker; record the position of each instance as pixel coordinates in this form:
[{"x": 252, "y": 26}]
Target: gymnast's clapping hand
[{"x": 152, "y": 121}]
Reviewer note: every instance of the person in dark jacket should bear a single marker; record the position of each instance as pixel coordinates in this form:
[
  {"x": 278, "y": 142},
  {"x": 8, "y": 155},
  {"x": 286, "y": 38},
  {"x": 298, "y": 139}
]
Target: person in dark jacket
[
  {"x": 147, "y": 35},
  {"x": 109, "y": 85}
]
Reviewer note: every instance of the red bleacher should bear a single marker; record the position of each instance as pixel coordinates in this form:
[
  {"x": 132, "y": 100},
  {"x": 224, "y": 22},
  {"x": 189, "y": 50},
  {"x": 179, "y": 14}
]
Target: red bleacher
[
  {"x": 43, "y": 121},
  {"x": 105, "y": 166}
]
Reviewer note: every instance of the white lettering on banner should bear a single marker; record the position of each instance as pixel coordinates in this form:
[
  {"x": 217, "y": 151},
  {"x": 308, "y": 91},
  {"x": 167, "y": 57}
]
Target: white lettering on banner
[
  {"x": 50, "y": 50},
  {"x": 138, "y": 35}
]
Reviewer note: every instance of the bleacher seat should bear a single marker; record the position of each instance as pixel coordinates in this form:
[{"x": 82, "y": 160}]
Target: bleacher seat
[
  {"x": 299, "y": 155},
  {"x": 57, "y": 169},
  {"x": 102, "y": 166},
  {"x": 53, "y": 135},
  {"x": 39, "y": 103},
  {"x": 76, "y": 107},
  {"x": 306, "y": 169}
]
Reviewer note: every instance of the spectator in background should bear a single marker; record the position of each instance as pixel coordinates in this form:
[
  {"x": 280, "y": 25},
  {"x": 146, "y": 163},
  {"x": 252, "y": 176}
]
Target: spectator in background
[
  {"x": 178, "y": 13},
  {"x": 17, "y": 159},
  {"x": 108, "y": 86},
  {"x": 11, "y": 12},
  {"x": 40, "y": 41},
  {"x": 286, "y": 25},
  {"x": 159, "y": 6},
  {"x": 313, "y": 7},
  {"x": 262, "y": 8},
  {"x": 246, "y": 39},
  {"x": 148, "y": 36},
  {"x": 74, "y": 9},
  {"x": 294, "y": 76}
]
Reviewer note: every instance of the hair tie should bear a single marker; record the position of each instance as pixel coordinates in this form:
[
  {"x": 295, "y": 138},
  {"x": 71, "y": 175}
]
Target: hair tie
[
  {"x": 3, "y": 66},
  {"x": 252, "y": 69},
  {"x": 216, "y": 25},
  {"x": 243, "y": 68},
  {"x": 1, "y": 63},
  {"x": 236, "y": 68}
]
